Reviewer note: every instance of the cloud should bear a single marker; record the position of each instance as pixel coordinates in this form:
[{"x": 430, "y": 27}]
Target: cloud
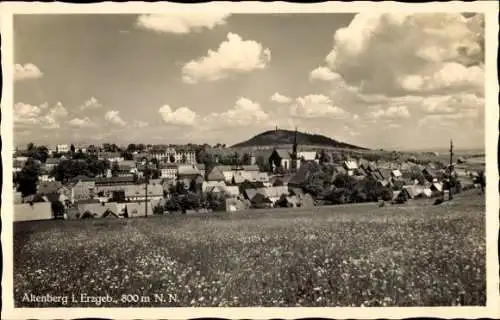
[
  {"x": 323, "y": 74},
  {"x": 28, "y": 71},
  {"x": 91, "y": 103},
  {"x": 245, "y": 112},
  {"x": 234, "y": 55},
  {"x": 279, "y": 98},
  {"x": 398, "y": 53},
  {"x": 26, "y": 114},
  {"x": 139, "y": 124},
  {"x": 113, "y": 116},
  {"x": 181, "y": 116},
  {"x": 393, "y": 112},
  {"x": 181, "y": 23},
  {"x": 316, "y": 106},
  {"x": 81, "y": 122}
]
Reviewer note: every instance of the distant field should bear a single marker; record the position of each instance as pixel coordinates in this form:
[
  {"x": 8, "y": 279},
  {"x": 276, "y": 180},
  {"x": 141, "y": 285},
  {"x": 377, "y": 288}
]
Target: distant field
[{"x": 413, "y": 255}]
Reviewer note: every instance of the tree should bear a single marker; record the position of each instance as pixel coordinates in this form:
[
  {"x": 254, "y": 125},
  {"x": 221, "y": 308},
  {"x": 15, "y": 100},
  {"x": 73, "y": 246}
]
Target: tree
[
  {"x": 172, "y": 158},
  {"x": 28, "y": 178},
  {"x": 115, "y": 169},
  {"x": 72, "y": 148},
  {"x": 57, "y": 208},
  {"x": 131, "y": 148},
  {"x": 246, "y": 159},
  {"x": 184, "y": 158},
  {"x": 277, "y": 183},
  {"x": 30, "y": 146}
]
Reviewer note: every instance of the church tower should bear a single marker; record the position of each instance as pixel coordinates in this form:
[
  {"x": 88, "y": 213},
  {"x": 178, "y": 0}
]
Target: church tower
[{"x": 294, "y": 155}]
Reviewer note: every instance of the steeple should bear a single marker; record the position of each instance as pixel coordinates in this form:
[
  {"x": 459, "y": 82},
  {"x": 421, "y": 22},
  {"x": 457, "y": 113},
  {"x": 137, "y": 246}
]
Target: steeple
[{"x": 294, "y": 151}]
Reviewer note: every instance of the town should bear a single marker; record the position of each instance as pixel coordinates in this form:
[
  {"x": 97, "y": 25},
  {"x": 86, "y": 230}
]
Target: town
[{"x": 71, "y": 181}]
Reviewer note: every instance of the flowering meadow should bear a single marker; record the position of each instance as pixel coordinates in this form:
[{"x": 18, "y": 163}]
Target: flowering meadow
[{"x": 415, "y": 254}]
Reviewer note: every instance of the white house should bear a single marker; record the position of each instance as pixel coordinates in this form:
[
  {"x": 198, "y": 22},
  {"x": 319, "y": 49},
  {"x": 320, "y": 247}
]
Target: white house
[
  {"x": 62, "y": 148},
  {"x": 169, "y": 171}
]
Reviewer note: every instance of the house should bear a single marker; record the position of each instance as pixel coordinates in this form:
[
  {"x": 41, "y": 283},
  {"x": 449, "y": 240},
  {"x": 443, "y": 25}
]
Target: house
[
  {"x": 437, "y": 187},
  {"x": 232, "y": 191},
  {"x": 138, "y": 192},
  {"x": 300, "y": 177},
  {"x": 83, "y": 188},
  {"x": 208, "y": 186},
  {"x": 46, "y": 178},
  {"x": 62, "y": 148},
  {"x": 413, "y": 190},
  {"x": 185, "y": 157},
  {"x": 280, "y": 158},
  {"x": 168, "y": 171},
  {"x": 216, "y": 174},
  {"x": 429, "y": 174},
  {"x": 308, "y": 155},
  {"x": 350, "y": 166},
  {"x": 187, "y": 173},
  {"x": 51, "y": 163},
  {"x": 274, "y": 193},
  {"x": 110, "y": 156},
  {"x": 33, "y": 211},
  {"x": 396, "y": 174}
]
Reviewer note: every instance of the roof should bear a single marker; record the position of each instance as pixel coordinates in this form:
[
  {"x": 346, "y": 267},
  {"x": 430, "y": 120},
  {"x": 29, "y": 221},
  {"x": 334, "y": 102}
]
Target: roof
[
  {"x": 396, "y": 173},
  {"x": 98, "y": 208},
  {"x": 208, "y": 185},
  {"x": 307, "y": 155},
  {"x": 188, "y": 170},
  {"x": 216, "y": 175},
  {"x": 139, "y": 190},
  {"x": 232, "y": 190},
  {"x": 413, "y": 190},
  {"x": 438, "y": 186},
  {"x": 297, "y": 192},
  {"x": 200, "y": 166},
  {"x": 351, "y": 164},
  {"x": 273, "y": 192},
  {"x": 250, "y": 193},
  {"x": 167, "y": 166},
  {"x": 49, "y": 187},
  {"x": 82, "y": 178},
  {"x": 113, "y": 180},
  {"x": 252, "y": 167},
  {"x": 283, "y": 153}
]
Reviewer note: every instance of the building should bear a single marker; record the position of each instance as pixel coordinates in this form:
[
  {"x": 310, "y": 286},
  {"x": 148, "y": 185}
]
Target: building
[
  {"x": 62, "y": 148},
  {"x": 280, "y": 158},
  {"x": 185, "y": 157},
  {"x": 33, "y": 211},
  {"x": 82, "y": 188},
  {"x": 138, "y": 192},
  {"x": 168, "y": 171}
]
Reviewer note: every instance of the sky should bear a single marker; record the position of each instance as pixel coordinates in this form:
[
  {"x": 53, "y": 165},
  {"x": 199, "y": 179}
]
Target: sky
[{"x": 392, "y": 81}]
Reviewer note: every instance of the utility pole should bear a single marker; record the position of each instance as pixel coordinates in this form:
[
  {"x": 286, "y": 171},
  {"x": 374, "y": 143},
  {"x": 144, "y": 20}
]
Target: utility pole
[
  {"x": 451, "y": 169},
  {"x": 147, "y": 182}
]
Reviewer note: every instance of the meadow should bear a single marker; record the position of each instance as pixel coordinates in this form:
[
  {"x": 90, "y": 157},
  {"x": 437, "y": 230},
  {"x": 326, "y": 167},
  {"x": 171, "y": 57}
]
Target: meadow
[{"x": 415, "y": 254}]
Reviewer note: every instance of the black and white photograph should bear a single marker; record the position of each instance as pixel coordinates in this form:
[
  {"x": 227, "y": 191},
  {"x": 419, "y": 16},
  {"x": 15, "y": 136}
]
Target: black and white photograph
[{"x": 224, "y": 158}]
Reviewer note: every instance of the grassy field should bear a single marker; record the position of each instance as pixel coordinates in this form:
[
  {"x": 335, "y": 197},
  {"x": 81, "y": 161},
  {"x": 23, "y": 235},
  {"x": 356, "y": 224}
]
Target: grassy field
[{"x": 358, "y": 255}]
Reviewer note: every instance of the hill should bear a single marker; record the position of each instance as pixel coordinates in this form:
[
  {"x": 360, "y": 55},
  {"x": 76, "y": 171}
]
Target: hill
[{"x": 286, "y": 137}]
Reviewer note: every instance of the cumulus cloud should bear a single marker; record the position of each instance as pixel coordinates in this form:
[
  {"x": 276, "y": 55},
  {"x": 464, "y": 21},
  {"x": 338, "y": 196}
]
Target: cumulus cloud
[
  {"x": 91, "y": 103},
  {"x": 26, "y": 113},
  {"x": 234, "y": 55},
  {"x": 316, "y": 106},
  {"x": 393, "y": 112},
  {"x": 279, "y": 98},
  {"x": 113, "y": 116},
  {"x": 81, "y": 122},
  {"x": 27, "y": 71},
  {"x": 181, "y": 116},
  {"x": 323, "y": 74},
  {"x": 43, "y": 116},
  {"x": 245, "y": 112},
  {"x": 397, "y": 53},
  {"x": 181, "y": 23}
]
